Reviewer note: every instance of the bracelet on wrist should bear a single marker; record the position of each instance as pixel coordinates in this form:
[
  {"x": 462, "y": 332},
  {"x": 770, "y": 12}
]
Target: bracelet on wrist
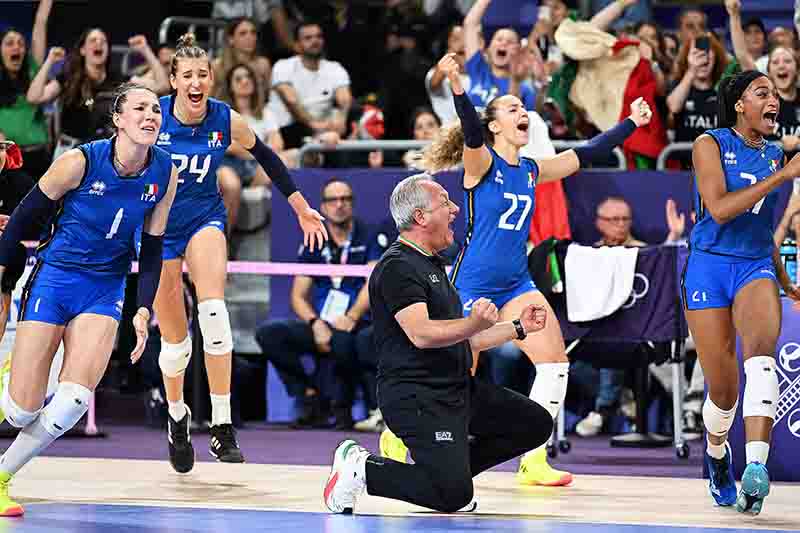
[{"x": 520, "y": 330}]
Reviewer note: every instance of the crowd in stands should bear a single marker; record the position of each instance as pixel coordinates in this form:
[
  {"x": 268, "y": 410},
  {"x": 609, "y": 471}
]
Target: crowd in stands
[{"x": 324, "y": 72}]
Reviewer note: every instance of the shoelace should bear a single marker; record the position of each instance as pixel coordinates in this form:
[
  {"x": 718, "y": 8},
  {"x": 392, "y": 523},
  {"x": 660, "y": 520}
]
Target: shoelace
[
  {"x": 225, "y": 436},
  {"x": 180, "y": 435},
  {"x": 720, "y": 471}
]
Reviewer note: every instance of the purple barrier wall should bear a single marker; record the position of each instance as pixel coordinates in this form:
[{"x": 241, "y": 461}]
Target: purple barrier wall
[
  {"x": 783, "y": 462},
  {"x": 371, "y": 189},
  {"x": 647, "y": 192}
]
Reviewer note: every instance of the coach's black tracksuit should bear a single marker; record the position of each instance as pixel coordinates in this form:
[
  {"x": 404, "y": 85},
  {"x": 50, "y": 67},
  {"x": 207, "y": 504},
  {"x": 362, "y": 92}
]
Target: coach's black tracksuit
[{"x": 429, "y": 399}]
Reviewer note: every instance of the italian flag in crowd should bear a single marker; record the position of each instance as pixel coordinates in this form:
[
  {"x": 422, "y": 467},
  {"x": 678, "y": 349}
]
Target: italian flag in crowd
[
  {"x": 151, "y": 189},
  {"x": 215, "y": 136}
]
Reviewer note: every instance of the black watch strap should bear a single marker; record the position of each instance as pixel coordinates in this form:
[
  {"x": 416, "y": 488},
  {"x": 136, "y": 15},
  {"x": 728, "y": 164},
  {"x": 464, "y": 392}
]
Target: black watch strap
[{"x": 520, "y": 330}]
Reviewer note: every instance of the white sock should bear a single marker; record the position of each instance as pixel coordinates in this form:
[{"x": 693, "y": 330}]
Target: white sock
[
  {"x": 177, "y": 410},
  {"x": 550, "y": 388},
  {"x": 756, "y": 451},
  {"x": 29, "y": 443},
  {"x": 220, "y": 409},
  {"x": 717, "y": 451}
]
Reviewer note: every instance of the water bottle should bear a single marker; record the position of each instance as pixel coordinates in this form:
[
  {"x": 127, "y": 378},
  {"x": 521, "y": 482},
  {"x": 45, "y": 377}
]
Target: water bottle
[{"x": 789, "y": 258}]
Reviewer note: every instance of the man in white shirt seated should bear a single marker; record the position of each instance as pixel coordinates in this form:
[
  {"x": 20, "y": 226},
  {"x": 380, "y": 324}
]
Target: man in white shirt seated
[{"x": 310, "y": 96}]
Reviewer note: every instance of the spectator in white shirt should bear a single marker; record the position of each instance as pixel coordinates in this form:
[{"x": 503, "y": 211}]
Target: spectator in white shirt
[{"x": 310, "y": 95}]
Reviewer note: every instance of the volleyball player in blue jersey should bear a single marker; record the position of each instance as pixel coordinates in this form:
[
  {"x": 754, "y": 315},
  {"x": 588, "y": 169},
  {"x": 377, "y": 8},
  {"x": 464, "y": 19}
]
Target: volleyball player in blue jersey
[
  {"x": 97, "y": 197},
  {"x": 499, "y": 201},
  {"x": 730, "y": 284},
  {"x": 197, "y": 130}
]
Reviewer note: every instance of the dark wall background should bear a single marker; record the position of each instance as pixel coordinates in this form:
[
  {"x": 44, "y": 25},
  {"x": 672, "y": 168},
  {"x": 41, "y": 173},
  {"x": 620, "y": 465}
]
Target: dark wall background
[{"x": 121, "y": 19}]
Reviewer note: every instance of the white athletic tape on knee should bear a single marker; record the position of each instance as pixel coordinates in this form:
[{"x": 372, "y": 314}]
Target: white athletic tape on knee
[
  {"x": 761, "y": 387},
  {"x": 69, "y": 404},
  {"x": 215, "y": 325},
  {"x": 174, "y": 358},
  {"x": 550, "y": 386},
  {"x": 717, "y": 420},
  {"x": 16, "y": 415}
]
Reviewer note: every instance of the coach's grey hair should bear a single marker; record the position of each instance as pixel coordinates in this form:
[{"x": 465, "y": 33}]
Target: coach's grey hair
[{"x": 408, "y": 196}]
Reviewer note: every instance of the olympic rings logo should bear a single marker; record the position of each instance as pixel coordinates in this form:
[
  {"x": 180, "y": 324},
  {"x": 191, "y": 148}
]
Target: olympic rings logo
[{"x": 637, "y": 294}]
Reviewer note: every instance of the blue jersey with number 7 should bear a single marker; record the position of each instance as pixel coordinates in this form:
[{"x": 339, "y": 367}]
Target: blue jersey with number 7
[
  {"x": 498, "y": 212},
  {"x": 197, "y": 151},
  {"x": 748, "y": 235},
  {"x": 95, "y": 225}
]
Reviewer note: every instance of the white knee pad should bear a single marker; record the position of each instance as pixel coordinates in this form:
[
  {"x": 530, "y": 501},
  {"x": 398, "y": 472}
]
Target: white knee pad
[
  {"x": 174, "y": 358},
  {"x": 761, "y": 387},
  {"x": 550, "y": 386},
  {"x": 717, "y": 420},
  {"x": 16, "y": 415},
  {"x": 215, "y": 325},
  {"x": 68, "y": 405}
]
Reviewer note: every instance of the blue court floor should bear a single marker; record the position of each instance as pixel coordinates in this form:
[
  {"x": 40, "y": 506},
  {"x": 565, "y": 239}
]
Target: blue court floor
[{"x": 52, "y": 518}]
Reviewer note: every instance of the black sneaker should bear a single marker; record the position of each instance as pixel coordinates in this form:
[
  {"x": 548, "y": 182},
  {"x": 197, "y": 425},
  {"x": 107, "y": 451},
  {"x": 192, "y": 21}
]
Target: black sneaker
[
  {"x": 181, "y": 451},
  {"x": 223, "y": 444}
]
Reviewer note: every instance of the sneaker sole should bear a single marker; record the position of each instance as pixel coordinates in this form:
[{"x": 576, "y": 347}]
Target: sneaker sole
[
  {"x": 13, "y": 511},
  {"x": 563, "y": 481},
  {"x": 239, "y": 459},
  {"x": 332, "y": 480}
]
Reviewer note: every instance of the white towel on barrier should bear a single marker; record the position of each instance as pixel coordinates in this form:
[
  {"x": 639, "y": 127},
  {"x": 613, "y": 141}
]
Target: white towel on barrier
[{"x": 599, "y": 280}]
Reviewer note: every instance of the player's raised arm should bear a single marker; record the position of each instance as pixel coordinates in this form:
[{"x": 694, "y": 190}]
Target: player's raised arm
[{"x": 314, "y": 232}]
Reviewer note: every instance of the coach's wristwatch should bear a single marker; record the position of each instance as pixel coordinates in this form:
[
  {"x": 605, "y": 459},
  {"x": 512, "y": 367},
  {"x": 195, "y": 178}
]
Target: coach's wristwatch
[{"x": 520, "y": 330}]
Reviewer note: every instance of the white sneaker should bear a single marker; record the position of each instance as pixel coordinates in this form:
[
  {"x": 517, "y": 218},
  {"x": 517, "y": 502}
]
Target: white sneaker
[
  {"x": 590, "y": 426},
  {"x": 347, "y": 479},
  {"x": 470, "y": 507},
  {"x": 373, "y": 423}
]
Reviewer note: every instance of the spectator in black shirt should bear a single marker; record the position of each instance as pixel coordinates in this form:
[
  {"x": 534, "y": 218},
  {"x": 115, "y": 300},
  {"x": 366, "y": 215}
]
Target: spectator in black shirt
[
  {"x": 87, "y": 85},
  {"x": 426, "y": 393},
  {"x": 14, "y": 185},
  {"x": 692, "y": 99}
]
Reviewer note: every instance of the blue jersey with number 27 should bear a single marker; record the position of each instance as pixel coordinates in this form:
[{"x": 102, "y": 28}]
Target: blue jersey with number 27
[{"x": 498, "y": 211}]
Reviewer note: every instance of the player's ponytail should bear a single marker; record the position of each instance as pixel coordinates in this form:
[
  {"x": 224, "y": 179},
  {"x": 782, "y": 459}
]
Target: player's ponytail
[
  {"x": 729, "y": 92},
  {"x": 447, "y": 149},
  {"x": 186, "y": 48}
]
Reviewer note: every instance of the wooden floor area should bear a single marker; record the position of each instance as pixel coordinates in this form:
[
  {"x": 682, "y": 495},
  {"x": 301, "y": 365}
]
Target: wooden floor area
[{"x": 591, "y": 499}]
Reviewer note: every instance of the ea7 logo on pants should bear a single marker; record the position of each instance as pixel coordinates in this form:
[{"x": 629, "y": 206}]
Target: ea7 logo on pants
[{"x": 444, "y": 436}]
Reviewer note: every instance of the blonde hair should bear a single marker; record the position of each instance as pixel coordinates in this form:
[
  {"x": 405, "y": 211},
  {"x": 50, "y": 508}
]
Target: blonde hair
[
  {"x": 187, "y": 48},
  {"x": 447, "y": 149}
]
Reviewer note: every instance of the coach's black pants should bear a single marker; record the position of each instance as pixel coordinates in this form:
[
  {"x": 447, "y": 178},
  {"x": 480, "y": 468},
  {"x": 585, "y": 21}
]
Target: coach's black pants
[{"x": 435, "y": 429}]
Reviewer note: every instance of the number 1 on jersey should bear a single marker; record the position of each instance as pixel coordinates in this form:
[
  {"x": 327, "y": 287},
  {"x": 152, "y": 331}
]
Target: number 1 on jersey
[{"x": 115, "y": 224}]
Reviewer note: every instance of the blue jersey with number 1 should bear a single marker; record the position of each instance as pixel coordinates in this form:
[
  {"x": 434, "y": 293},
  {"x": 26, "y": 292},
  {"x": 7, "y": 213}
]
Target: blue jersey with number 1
[
  {"x": 197, "y": 151},
  {"x": 96, "y": 223},
  {"x": 498, "y": 210},
  {"x": 749, "y": 235}
]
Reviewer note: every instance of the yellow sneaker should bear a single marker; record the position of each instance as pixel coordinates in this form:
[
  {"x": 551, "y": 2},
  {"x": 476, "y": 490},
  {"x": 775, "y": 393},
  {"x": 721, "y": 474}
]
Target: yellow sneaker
[
  {"x": 5, "y": 373},
  {"x": 534, "y": 470},
  {"x": 8, "y": 507},
  {"x": 392, "y": 446}
]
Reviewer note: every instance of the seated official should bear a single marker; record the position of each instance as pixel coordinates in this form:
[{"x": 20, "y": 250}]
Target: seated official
[{"x": 330, "y": 313}]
